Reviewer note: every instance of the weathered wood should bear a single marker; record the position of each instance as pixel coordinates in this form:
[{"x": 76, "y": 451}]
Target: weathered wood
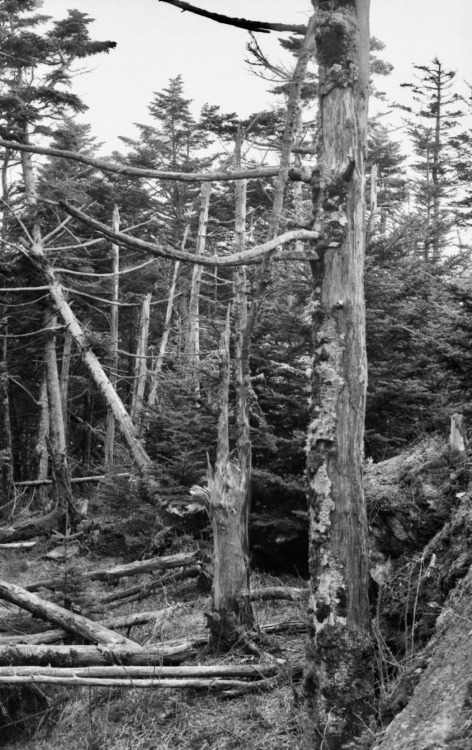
[
  {"x": 77, "y": 624},
  {"x": 114, "y": 335},
  {"x": 249, "y": 671},
  {"x": 139, "y": 618},
  {"x": 183, "y": 684},
  {"x": 140, "y": 370},
  {"x": 340, "y": 645},
  {"x": 35, "y": 526},
  {"x": 18, "y": 545},
  {"x": 82, "y": 656},
  {"x": 74, "y": 480},
  {"x": 141, "y": 592},
  {"x": 108, "y": 166},
  {"x": 231, "y": 605},
  {"x": 123, "y": 571},
  {"x": 458, "y": 437},
  {"x": 192, "y": 343}
]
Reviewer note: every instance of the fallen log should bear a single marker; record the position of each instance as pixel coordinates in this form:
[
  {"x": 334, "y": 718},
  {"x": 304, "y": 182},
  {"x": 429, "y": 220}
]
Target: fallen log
[
  {"x": 18, "y": 545},
  {"x": 35, "y": 526},
  {"x": 135, "y": 593},
  {"x": 139, "y": 618},
  {"x": 122, "y": 571},
  {"x": 248, "y": 671},
  {"x": 194, "y": 684},
  {"x": 122, "y": 621},
  {"x": 31, "y": 639},
  {"x": 169, "y": 652},
  {"x": 74, "y": 480},
  {"x": 278, "y": 592},
  {"x": 78, "y": 624}
]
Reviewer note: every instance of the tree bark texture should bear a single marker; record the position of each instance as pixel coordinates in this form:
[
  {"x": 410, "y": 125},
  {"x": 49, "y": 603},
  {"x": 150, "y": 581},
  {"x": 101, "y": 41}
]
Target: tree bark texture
[
  {"x": 114, "y": 334},
  {"x": 338, "y": 680},
  {"x": 231, "y": 605},
  {"x": 78, "y": 624},
  {"x": 83, "y": 656},
  {"x": 7, "y": 488},
  {"x": 140, "y": 370},
  {"x": 193, "y": 320}
]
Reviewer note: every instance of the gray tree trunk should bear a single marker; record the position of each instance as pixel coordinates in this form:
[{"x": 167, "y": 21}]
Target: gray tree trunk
[{"x": 338, "y": 680}]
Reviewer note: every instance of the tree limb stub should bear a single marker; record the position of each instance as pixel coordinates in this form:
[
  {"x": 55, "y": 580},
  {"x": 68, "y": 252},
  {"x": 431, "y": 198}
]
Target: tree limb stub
[
  {"x": 234, "y": 259},
  {"x": 153, "y": 174},
  {"x": 263, "y": 27}
]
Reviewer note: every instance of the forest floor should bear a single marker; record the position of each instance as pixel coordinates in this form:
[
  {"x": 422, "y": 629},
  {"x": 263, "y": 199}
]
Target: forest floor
[{"x": 57, "y": 717}]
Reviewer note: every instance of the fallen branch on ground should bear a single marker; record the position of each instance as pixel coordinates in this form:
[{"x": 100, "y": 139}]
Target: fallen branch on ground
[
  {"x": 74, "y": 480},
  {"x": 73, "y": 623},
  {"x": 36, "y": 526},
  {"x": 168, "y": 652},
  {"x": 194, "y": 684},
  {"x": 135, "y": 593},
  {"x": 122, "y": 571},
  {"x": 249, "y": 671},
  {"x": 18, "y": 545}
]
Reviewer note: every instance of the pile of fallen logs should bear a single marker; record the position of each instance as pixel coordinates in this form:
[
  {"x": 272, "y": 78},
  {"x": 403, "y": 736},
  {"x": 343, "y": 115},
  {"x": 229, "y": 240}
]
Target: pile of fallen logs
[{"x": 110, "y": 659}]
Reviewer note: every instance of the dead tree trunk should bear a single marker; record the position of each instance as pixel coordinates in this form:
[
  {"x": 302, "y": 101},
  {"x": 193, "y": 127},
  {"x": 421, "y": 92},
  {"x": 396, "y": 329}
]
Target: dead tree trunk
[
  {"x": 114, "y": 334},
  {"x": 231, "y": 611},
  {"x": 140, "y": 370},
  {"x": 167, "y": 326},
  {"x": 7, "y": 488},
  {"x": 192, "y": 346},
  {"x": 64, "y": 379},
  {"x": 41, "y": 449},
  {"x": 338, "y": 680}
]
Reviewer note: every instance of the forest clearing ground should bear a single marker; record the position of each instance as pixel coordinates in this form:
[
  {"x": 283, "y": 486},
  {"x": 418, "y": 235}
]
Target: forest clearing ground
[{"x": 154, "y": 719}]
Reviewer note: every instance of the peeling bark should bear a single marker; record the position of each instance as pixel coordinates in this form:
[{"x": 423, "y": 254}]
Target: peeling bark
[
  {"x": 338, "y": 681},
  {"x": 231, "y": 611}
]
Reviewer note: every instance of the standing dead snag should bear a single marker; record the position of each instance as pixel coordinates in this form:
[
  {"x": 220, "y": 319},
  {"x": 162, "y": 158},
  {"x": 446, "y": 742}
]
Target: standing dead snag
[
  {"x": 231, "y": 611},
  {"x": 338, "y": 680}
]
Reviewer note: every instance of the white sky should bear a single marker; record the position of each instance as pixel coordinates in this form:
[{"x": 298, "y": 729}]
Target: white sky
[{"x": 157, "y": 42}]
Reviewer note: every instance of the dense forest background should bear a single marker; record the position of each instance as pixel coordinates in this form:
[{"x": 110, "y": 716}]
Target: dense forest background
[{"x": 127, "y": 370}]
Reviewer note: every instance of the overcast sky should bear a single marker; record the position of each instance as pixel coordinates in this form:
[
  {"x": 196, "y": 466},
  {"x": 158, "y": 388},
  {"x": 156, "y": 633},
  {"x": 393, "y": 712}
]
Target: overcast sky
[{"x": 157, "y": 42}]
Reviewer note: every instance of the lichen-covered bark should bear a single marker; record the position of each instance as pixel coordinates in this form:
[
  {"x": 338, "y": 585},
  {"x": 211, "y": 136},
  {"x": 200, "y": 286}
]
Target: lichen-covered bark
[{"x": 338, "y": 679}]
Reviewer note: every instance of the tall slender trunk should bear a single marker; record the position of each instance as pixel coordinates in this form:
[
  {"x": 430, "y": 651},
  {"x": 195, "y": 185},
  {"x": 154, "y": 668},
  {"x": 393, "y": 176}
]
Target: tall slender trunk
[
  {"x": 339, "y": 677},
  {"x": 114, "y": 334},
  {"x": 230, "y": 484},
  {"x": 43, "y": 431},
  {"x": 140, "y": 371},
  {"x": 157, "y": 369},
  {"x": 193, "y": 320},
  {"x": 7, "y": 489},
  {"x": 64, "y": 379},
  {"x": 57, "y": 433},
  {"x": 232, "y": 612},
  {"x": 435, "y": 169}
]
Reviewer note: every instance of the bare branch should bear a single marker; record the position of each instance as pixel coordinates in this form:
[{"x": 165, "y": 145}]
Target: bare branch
[
  {"x": 234, "y": 259},
  {"x": 264, "y": 27},
  {"x": 108, "y": 166}
]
